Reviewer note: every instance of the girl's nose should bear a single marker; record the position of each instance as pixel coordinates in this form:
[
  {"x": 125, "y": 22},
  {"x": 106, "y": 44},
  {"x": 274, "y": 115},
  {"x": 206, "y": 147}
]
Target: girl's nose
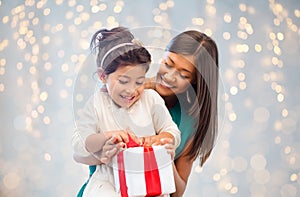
[{"x": 131, "y": 88}]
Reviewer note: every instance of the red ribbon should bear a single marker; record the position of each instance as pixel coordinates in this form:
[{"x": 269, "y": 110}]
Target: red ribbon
[{"x": 153, "y": 185}]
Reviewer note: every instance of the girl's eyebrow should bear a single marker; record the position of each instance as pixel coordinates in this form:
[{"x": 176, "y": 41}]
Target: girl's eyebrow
[{"x": 125, "y": 76}]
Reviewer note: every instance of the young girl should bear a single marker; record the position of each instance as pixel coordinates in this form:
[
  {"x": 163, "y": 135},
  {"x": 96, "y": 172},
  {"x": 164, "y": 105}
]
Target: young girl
[{"x": 121, "y": 105}]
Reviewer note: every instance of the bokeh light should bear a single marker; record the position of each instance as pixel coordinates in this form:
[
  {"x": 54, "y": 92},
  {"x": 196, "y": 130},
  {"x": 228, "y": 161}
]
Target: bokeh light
[{"x": 45, "y": 44}]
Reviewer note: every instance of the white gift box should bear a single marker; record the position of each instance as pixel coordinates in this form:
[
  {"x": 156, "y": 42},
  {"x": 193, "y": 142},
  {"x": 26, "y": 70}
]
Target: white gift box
[{"x": 143, "y": 171}]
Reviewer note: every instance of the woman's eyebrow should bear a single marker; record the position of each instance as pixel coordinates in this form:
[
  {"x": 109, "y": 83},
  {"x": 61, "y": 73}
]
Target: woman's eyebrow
[
  {"x": 186, "y": 70},
  {"x": 181, "y": 69},
  {"x": 170, "y": 60}
]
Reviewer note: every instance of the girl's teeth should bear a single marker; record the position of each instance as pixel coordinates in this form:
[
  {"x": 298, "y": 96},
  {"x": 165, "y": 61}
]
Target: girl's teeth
[{"x": 127, "y": 97}]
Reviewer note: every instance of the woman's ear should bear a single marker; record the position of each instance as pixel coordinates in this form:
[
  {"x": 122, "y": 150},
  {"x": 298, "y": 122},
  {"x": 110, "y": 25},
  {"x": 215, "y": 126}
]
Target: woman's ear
[{"x": 102, "y": 76}]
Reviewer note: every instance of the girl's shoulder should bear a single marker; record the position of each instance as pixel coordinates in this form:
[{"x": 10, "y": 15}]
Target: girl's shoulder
[{"x": 101, "y": 99}]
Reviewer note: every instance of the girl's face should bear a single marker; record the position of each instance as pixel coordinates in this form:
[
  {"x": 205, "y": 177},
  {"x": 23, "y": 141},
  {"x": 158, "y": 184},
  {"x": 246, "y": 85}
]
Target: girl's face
[
  {"x": 125, "y": 85},
  {"x": 175, "y": 74}
]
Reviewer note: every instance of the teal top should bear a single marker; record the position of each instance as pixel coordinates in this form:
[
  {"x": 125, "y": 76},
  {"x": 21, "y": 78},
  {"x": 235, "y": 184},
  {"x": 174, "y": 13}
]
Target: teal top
[{"x": 186, "y": 126}]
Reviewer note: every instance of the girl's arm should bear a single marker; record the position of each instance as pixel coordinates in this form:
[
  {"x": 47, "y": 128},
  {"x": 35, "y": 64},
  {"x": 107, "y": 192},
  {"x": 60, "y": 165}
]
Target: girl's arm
[
  {"x": 88, "y": 160},
  {"x": 95, "y": 142},
  {"x": 182, "y": 168}
]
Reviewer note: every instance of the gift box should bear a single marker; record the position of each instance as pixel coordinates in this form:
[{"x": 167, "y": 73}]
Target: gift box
[{"x": 143, "y": 171}]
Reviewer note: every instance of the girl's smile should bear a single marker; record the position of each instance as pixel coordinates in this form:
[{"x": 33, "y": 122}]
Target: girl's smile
[{"x": 125, "y": 85}]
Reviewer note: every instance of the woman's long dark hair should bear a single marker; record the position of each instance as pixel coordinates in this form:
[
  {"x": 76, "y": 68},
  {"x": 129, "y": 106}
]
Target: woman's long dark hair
[{"x": 203, "y": 107}]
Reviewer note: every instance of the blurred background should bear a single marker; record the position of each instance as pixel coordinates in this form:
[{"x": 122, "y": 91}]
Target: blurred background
[{"x": 46, "y": 75}]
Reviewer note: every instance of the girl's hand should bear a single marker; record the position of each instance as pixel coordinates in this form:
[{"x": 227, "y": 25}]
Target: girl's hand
[
  {"x": 118, "y": 140},
  {"x": 110, "y": 149},
  {"x": 156, "y": 139},
  {"x": 119, "y": 135},
  {"x": 165, "y": 139},
  {"x": 169, "y": 146}
]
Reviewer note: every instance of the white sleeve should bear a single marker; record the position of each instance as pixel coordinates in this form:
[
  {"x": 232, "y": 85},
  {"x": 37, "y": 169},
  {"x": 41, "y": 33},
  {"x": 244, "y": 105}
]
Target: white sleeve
[
  {"x": 86, "y": 125},
  {"x": 162, "y": 119}
]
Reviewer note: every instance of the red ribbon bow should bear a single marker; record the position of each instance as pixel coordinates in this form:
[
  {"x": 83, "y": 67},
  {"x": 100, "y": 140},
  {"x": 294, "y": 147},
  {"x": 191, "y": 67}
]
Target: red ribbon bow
[{"x": 152, "y": 179}]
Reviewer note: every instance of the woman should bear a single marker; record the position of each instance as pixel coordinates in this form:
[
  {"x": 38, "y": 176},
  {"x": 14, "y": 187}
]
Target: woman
[{"x": 188, "y": 82}]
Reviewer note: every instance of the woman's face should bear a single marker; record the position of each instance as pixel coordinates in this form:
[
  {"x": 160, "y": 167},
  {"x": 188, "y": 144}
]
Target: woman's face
[{"x": 175, "y": 74}]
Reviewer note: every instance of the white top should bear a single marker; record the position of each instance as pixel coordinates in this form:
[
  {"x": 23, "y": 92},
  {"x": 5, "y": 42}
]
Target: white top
[{"x": 148, "y": 116}]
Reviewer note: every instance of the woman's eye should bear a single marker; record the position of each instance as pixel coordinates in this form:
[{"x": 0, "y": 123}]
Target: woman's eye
[
  {"x": 184, "y": 76},
  {"x": 167, "y": 65}
]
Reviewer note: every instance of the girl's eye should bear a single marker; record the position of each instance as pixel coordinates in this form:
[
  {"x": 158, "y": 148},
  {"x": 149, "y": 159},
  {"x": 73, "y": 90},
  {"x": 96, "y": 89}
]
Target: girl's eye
[
  {"x": 123, "y": 82},
  {"x": 140, "y": 82}
]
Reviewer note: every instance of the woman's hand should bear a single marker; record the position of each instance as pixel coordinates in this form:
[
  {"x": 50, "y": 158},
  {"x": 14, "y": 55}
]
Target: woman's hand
[{"x": 150, "y": 83}]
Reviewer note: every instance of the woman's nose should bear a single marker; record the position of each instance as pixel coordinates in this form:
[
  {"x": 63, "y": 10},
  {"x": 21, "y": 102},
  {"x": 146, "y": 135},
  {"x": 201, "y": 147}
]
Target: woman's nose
[{"x": 170, "y": 76}]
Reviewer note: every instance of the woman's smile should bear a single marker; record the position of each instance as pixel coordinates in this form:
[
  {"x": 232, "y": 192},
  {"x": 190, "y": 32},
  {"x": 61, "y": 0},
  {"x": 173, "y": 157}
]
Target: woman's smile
[{"x": 162, "y": 82}]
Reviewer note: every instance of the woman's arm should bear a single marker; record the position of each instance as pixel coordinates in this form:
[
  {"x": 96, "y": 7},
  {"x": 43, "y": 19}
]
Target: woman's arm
[{"x": 182, "y": 168}]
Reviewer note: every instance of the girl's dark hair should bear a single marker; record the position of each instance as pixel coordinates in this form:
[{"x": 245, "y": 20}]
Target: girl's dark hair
[
  {"x": 203, "y": 107},
  {"x": 131, "y": 53}
]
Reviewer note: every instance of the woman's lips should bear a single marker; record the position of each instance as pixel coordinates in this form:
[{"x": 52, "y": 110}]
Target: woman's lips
[{"x": 163, "y": 83}]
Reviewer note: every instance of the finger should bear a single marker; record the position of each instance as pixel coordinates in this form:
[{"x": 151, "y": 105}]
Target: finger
[
  {"x": 166, "y": 141},
  {"x": 124, "y": 137},
  {"x": 156, "y": 143},
  {"x": 140, "y": 140},
  {"x": 169, "y": 145},
  {"x": 134, "y": 137},
  {"x": 147, "y": 141},
  {"x": 114, "y": 139},
  {"x": 109, "y": 152},
  {"x": 104, "y": 160}
]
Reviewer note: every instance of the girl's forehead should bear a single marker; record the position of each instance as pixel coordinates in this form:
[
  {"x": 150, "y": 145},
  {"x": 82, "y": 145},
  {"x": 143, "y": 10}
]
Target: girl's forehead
[{"x": 131, "y": 69}]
